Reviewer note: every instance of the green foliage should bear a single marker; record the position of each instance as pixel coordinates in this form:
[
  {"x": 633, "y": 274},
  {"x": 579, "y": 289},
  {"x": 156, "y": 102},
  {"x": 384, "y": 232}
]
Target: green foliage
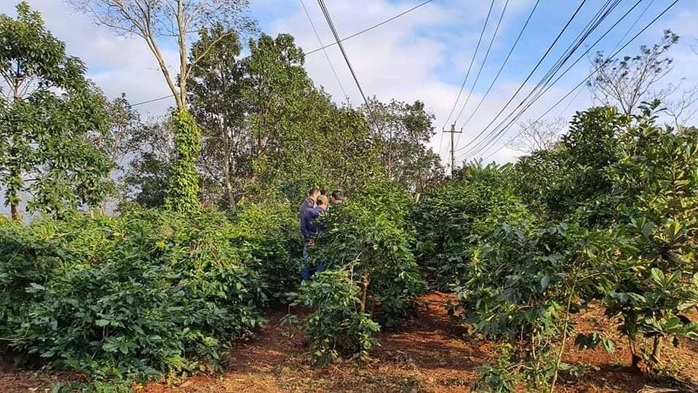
[
  {"x": 399, "y": 131},
  {"x": 269, "y": 238},
  {"x": 593, "y": 147},
  {"x": 216, "y": 102},
  {"x": 337, "y": 327},
  {"x": 367, "y": 235},
  {"x": 542, "y": 181},
  {"x": 451, "y": 219},
  {"x": 522, "y": 284},
  {"x": 152, "y": 154},
  {"x": 365, "y": 246},
  {"x": 654, "y": 279},
  {"x": 183, "y": 190},
  {"x": 138, "y": 296},
  {"x": 47, "y": 122},
  {"x": 267, "y": 129}
]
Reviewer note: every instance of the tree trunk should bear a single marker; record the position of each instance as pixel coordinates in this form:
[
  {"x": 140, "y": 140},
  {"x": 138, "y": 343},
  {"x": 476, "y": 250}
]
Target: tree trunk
[
  {"x": 657, "y": 350},
  {"x": 634, "y": 357},
  {"x": 14, "y": 209},
  {"x": 229, "y": 185},
  {"x": 364, "y": 293},
  {"x": 228, "y": 142}
]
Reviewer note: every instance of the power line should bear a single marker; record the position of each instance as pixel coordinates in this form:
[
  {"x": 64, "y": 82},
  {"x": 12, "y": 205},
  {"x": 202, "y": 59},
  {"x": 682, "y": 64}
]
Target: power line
[
  {"x": 494, "y": 136},
  {"x": 511, "y": 51},
  {"x": 327, "y": 56},
  {"x": 579, "y": 91},
  {"x": 153, "y": 100},
  {"x": 597, "y": 69},
  {"x": 328, "y": 17},
  {"x": 634, "y": 24},
  {"x": 370, "y": 28},
  {"x": 467, "y": 74},
  {"x": 529, "y": 75},
  {"x": 482, "y": 65},
  {"x": 602, "y": 14},
  {"x": 472, "y": 61}
]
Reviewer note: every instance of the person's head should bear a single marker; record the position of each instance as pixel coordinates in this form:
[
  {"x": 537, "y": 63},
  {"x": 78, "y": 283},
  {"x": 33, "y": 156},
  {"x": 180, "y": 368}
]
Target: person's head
[
  {"x": 323, "y": 191},
  {"x": 322, "y": 202},
  {"x": 336, "y": 197},
  {"x": 314, "y": 193}
]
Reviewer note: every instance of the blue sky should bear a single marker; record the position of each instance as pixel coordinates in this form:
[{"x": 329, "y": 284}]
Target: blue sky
[{"x": 423, "y": 55}]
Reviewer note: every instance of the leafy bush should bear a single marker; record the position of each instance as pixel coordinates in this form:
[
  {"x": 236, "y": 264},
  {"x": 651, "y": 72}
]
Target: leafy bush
[
  {"x": 523, "y": 283},
  {"x": 452, "y": 219},
  {"x": 138, "y": 296},
  {"x": 270, "y": 240},
  {"x": 365, "y": 236},
  {"x": 374, "y": 274},
  {"x": 337, "y": 327},
  {"x": 654, "y": 278},
  {"x": 542, "y": 181}
]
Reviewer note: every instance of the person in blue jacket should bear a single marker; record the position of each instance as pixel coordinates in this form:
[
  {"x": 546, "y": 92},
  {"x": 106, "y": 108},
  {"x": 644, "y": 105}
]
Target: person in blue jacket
[
  {"x": 305, "y": 214},
  {"x": 310, "y": 227}
]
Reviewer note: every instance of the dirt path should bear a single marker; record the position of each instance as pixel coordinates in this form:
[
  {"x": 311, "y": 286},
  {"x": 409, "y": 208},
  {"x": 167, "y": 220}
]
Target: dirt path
[{"x": 428, "y": 354}]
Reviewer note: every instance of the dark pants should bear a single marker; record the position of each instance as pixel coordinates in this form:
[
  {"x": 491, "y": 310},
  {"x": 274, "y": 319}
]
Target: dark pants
[{"x": 309, "y": 271}]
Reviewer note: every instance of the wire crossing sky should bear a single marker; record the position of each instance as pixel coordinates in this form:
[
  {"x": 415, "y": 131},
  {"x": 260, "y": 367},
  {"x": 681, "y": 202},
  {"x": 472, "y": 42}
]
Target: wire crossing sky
[{"x": 419, "y": 50}]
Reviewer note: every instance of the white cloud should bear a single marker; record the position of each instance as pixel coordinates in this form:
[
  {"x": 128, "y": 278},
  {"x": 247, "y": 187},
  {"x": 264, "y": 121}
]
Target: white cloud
[
  {"x": 117, "y": 64},
  {"x": 407, "y": 59}
]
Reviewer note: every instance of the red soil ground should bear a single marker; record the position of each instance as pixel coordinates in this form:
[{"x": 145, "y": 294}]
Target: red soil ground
[{"x": 429, "y": 354}]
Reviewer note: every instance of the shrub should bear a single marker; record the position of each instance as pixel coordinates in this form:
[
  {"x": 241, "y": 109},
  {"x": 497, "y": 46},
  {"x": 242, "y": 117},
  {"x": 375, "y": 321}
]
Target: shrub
[
  {"x": 654, "y": 278},
  {"x": 366, "y": 247},
  {"x": 337, "y": 327},
  {"x": 522, "y": 285},
  {"x": 452, "y": 219},
  {"x": 270, "y": 240},
  {"x": 137, "y": 296},
  {"x": 365, "y": 236}
]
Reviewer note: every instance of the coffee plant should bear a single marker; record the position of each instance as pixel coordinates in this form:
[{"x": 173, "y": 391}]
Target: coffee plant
[
  {"x": 366, "y": 248},
  {"x": 523, "y": 284},
  {"x": 138, "y": 296},
  {"x": 269, "y": 238},
  {"x": 452, "y": 219}
]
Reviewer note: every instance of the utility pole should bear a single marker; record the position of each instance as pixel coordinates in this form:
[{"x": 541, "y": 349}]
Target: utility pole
[{"x": 453, "y": 132}]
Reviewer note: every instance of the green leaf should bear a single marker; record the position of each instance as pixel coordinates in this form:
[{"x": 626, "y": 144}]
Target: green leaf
[
  {"x": 101, "y": 322},
  {"x": 658, "y": 276}
]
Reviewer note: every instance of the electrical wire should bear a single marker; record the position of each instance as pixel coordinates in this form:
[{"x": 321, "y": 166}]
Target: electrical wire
[
  {"x": 580, "y": 84},
  {"x": 482, "y": 66},
  {"x": 467, "y": 74},
  {"x": 370, "y": 28},
  {"x": 547, "y": 52},
  {"x": 328, "y": 17},
  {"x": 511, "y": 51},
  {"x": 153, "y": 100},
  {"x": 546, "y": 86},
  {"x": 327, "y": 56},
  {"x": 602, "y": 14}
]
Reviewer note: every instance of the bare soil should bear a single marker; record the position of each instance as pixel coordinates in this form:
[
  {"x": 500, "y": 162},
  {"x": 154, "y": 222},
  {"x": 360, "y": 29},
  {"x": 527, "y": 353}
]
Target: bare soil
[{"x": 428, "y": 354}]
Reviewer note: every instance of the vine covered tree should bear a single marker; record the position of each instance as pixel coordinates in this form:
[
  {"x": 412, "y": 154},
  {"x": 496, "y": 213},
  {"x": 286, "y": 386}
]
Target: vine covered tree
[
  {"x": 50, "y": 115},
  {"x": 159, "y": 21}
]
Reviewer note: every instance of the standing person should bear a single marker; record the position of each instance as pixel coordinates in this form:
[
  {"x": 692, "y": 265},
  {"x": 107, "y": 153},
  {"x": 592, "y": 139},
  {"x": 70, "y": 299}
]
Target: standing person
[
  {"x": 305, "y": 214},
  {"x": 314, "y": 228},
  {"x": 336, "y": 197}
]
